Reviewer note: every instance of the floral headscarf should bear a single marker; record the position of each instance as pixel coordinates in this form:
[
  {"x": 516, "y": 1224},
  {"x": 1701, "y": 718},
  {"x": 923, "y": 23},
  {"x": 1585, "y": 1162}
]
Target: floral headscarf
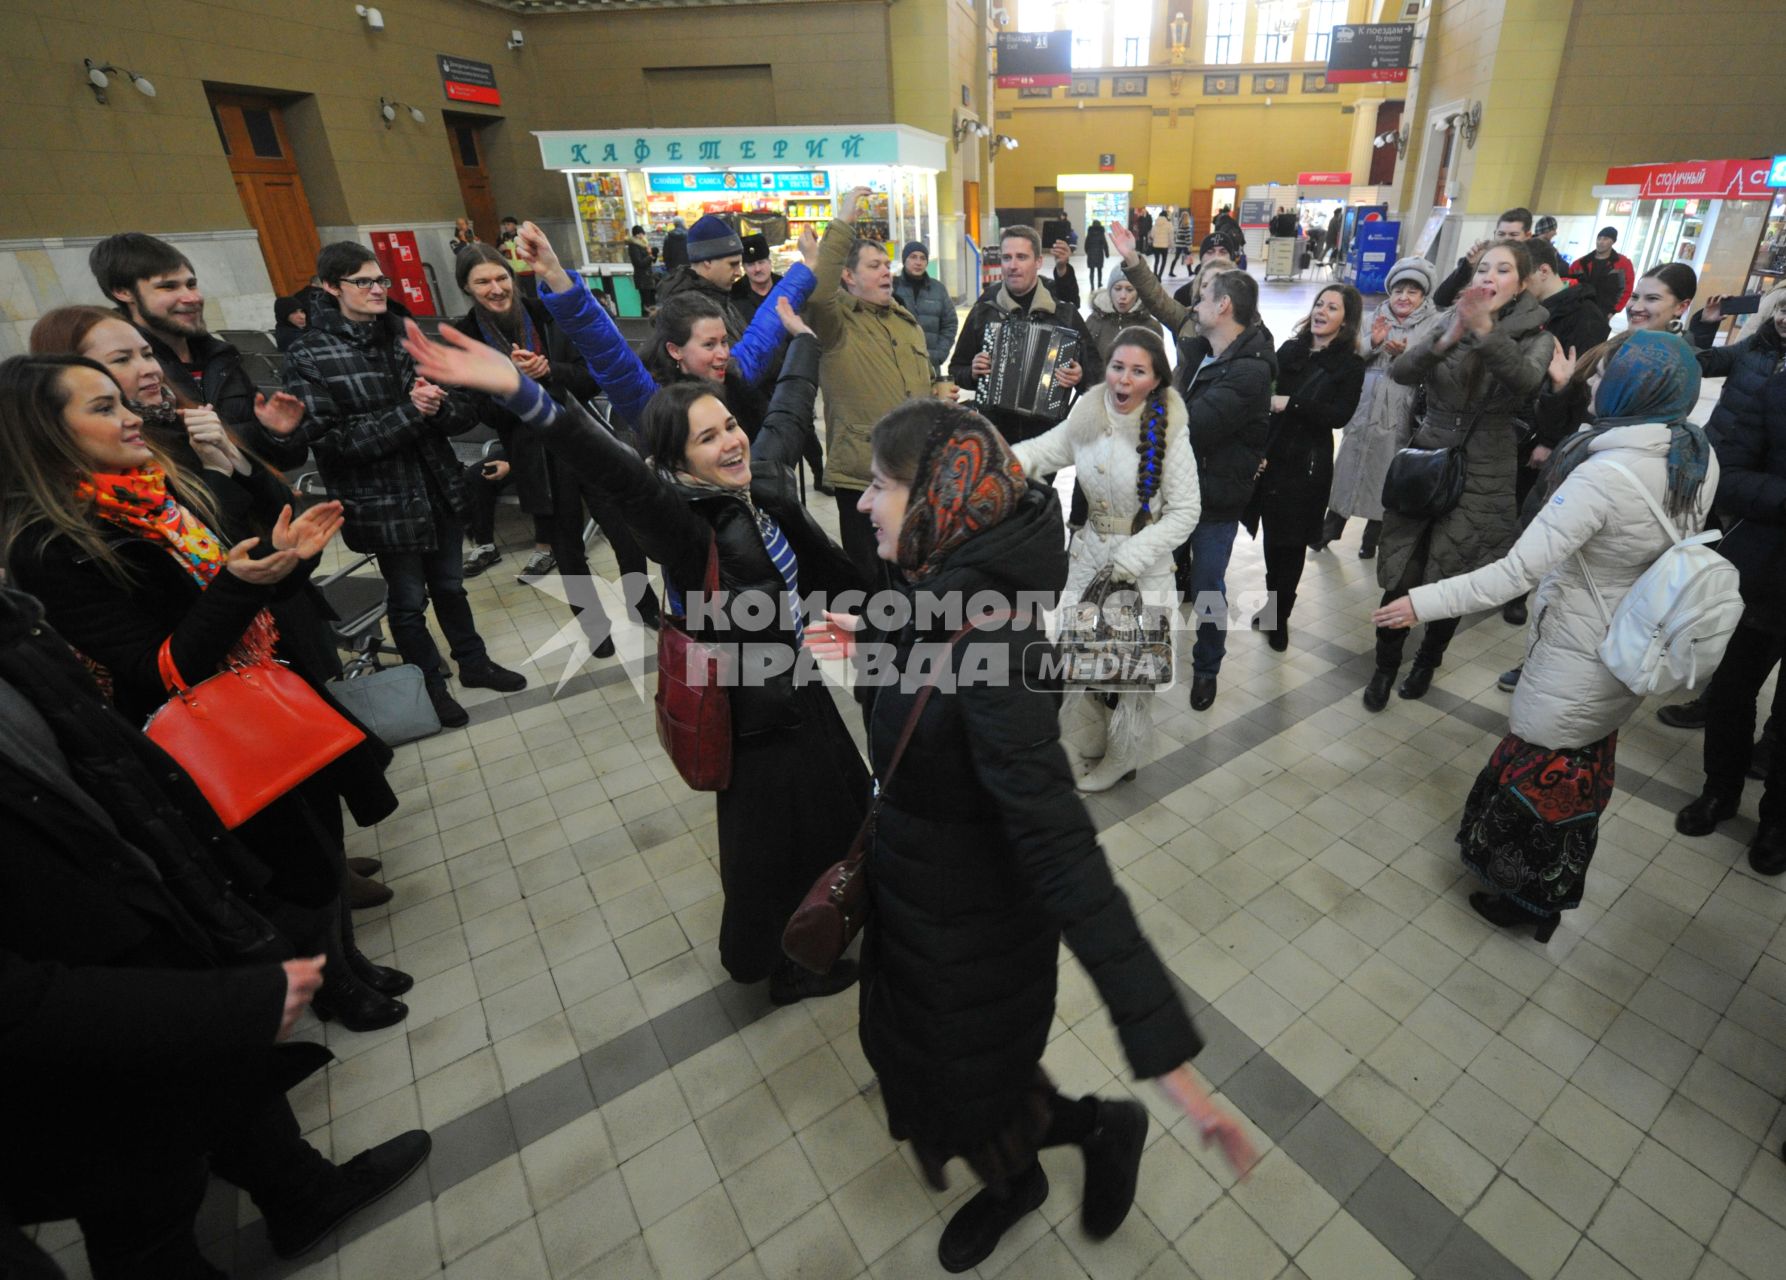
[{"x": 967, "y": 481}]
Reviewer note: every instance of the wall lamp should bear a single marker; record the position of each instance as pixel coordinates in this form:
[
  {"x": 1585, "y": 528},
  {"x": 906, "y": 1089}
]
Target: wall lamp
[
  {"x": 373, "y": 17},
  {"x": 966, "y": 128},
  {"x": 1004, "y": 140},
  {"x": 98, "y": 79},
  {"x": 1467, "y": 122},
  {"x": 1398, "y": 140},
  {"x": 387, "y": 107}
]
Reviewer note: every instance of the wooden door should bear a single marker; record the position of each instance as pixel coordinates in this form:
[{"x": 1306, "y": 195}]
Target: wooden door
[
  {"x": 1389, "y": 120},
  {"x": 1201, "y": 210},
  {"x": 466, "y": 141},
  {"x": 266, "y": 173},
  {"x": 970, "y": 204}
]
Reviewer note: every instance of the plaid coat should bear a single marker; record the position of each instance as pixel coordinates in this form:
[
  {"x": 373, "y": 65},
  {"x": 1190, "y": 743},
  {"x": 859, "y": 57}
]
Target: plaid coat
[{"x": 388, "y": 465}]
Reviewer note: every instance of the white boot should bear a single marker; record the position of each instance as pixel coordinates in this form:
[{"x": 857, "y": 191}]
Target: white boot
[
  {"x": 1084, "y": 728},
  {"x": 1130, "y": 733}
]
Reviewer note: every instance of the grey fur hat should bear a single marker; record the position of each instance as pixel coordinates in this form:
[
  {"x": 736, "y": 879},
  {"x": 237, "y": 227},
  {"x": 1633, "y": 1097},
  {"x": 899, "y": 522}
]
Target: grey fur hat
[{"x": 1415, "y": 271}]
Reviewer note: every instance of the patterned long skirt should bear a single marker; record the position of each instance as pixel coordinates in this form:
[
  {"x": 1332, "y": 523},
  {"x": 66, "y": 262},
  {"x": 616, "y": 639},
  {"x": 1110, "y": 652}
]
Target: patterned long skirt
[{"x": 1533, "y": 819}]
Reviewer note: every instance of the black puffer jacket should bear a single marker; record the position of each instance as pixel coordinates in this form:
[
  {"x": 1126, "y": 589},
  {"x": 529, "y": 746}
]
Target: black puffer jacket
[
  {"x": 1229, "y": 400},
  {"x": 390, "y": 466},
  {"x": 524, "y": 453},
  {"x": 225, "y": 385},
  {"x": 1752, "y": 505},
  {"x": 983, "y": 858},
  {"x": 686, "y": 279},
  {"x": 1746, "y": 367},
  {"x": 1323, "y": 387},
  {"x": 675, "y": 524},
  {"x": 1576, "y": 322}
]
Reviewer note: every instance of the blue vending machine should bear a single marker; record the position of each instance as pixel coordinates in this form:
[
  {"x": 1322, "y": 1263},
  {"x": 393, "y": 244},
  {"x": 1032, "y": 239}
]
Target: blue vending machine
[{"x": 1373, "y": 253}]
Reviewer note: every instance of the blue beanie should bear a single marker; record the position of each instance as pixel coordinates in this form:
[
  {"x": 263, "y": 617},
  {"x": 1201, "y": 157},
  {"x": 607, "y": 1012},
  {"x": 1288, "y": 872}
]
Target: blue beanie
[{"x": 711, "y": 238}]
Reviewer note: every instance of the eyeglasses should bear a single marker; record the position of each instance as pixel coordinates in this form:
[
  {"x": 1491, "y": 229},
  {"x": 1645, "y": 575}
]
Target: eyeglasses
[{"x": 368, "y": 282}]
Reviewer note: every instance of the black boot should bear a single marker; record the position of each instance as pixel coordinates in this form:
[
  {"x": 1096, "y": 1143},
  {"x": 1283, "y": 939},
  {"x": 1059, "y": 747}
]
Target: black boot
[
  {"x": 1420, "y": 678},
  {"x": 1376, "y": 693},
  {"x": 385, "y": 981},
  {"x": 1112, "y": 1164},
  {"x": 1503, "y": 911},
  {"x": 1684, "y": 715},
  {"x": 790, "y": 983},
  {"x": 1703, "y": 813},
  {"x": 975, "y": 1230},
  {"x": 300, "y": 1227},
  {"x": 357, "y": 1005},
  {"x": 1367, "y": 549},
  {"x": 1332, "y": 526},
  {"x": 1768, "y": 854}
]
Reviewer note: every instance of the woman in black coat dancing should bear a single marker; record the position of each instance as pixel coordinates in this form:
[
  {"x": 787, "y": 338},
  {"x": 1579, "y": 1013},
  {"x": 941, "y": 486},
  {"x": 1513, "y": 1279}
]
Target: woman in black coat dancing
[
  {"x": 798, "y": 789},
  {"x": 1320, "y": 377},
  {"x": 984, "y": 857}
]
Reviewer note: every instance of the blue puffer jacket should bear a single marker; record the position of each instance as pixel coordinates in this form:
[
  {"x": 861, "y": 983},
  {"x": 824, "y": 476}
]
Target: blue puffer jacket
[
  {"x": 928, "y": 300},
  {"x": 617, "y": 366},
  {"x": 1746, "y": 367}
]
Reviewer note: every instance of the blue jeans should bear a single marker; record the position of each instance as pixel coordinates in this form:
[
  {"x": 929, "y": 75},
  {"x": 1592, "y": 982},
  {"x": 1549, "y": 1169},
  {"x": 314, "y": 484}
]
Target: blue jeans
[
  {"x": 416, "y": 576},
  {"x": 1210, "y": 546}
]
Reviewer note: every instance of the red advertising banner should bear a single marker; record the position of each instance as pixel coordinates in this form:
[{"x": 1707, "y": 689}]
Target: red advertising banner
[
  {"x": 1323, "y": 179},
  {"x": 1701, "y": 179},
  {"x": 400, "y": 258}
]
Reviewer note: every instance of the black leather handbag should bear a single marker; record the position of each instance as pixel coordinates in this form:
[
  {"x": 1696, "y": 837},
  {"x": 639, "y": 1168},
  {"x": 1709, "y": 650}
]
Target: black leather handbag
[{"x": 1424, "y": 484}]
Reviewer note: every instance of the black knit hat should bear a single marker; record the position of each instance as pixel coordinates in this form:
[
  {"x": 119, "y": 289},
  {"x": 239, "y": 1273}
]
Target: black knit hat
[{"x": 711, "y": 238}]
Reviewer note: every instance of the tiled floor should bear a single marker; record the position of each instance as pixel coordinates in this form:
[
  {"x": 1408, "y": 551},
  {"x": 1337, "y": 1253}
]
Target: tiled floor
[{"x": 1430, "y": 1097}]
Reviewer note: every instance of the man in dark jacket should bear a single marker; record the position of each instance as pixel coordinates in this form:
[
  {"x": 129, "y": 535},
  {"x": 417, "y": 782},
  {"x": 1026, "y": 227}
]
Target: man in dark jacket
[
  {"x": 927, "y": 298},
  {"x": 155, "y": 287},
  {"x": 715, "y": 262},
  {"x": 140, "y": 997},
  {"x": 1515, "y": 224},
  {"x": 380, "y": 437},
  {"x": 759, "y": 277},
  {"x": 1021, "y": 293},
  {"x": 1225, "y": 376},
  {"x": 1606, "y": 271}
]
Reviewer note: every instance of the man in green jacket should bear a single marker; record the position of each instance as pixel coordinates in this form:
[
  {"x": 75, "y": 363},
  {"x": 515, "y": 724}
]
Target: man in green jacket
[{"x": 874, "y": 357}]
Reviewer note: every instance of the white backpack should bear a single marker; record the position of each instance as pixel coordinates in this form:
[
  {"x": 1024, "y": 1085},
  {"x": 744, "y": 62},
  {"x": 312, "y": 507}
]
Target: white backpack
[{"x": 1671, "y": 629}]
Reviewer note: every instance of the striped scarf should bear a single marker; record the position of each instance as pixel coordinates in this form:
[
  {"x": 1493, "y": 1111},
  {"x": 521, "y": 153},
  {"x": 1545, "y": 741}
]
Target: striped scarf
[{"x": 775, "y": 542}]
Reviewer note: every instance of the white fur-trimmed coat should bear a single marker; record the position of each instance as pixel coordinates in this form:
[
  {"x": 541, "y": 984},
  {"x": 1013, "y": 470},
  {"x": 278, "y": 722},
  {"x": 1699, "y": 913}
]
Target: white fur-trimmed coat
[{"x": 1101, "y": 444}]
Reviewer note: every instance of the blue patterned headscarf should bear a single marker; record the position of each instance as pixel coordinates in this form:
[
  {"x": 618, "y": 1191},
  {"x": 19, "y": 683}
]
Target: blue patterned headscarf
[{"x": 1652, "y": 377}]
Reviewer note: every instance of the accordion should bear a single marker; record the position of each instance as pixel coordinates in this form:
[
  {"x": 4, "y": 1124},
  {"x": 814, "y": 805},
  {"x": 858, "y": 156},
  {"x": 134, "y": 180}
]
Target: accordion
[{"x": 1026, "y": 359}]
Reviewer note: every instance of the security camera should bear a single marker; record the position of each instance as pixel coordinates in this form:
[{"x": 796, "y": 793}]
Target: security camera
[
  {"x": 373, "y": 17},
  {"x": 517, "y": 38},
  {"x": 1002, "y": 16}
]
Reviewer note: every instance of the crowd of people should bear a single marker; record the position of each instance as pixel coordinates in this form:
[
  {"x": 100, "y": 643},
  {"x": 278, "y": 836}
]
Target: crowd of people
[{"x": 152, "y": 958}]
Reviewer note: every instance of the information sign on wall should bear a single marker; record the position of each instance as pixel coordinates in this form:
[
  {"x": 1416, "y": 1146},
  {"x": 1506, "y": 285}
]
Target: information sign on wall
[
  {"x": 744, "y": 149},
  {"x": 1029, "y": 58},
  {"x": 468, "y": 81},
  {"x": 1106, "y": 162},
  {"x": 1370, "y": 53},
  {"x": 1776, "y": 174}
]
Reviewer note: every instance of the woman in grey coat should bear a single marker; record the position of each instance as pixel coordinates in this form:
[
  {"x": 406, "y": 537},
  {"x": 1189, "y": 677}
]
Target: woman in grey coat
[
  {"x": 1385, "y": 417},
  {"x": 1482, "y": 364}
]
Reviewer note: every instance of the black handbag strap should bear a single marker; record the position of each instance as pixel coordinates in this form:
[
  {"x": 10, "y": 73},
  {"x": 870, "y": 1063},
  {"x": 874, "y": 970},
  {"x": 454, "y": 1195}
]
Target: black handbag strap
[{"x": 858, "y": 845}]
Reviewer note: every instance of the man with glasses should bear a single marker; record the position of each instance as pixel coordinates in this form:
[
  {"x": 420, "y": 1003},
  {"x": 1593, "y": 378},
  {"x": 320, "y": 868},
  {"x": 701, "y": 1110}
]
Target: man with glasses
[{"x": 379, "y": 431}]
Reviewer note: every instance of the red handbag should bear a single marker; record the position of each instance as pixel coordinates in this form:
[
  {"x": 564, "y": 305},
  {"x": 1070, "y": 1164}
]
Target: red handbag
[
  {"x": 694, "y": 701},
  {"x": 247, "y": 735},
  {"x": 833, "y": 911}
]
